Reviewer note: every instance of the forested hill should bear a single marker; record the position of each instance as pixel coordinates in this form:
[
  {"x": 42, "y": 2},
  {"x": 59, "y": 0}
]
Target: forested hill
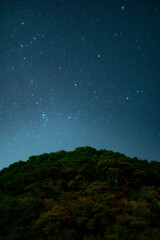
[{"x": 84, "y": 194}]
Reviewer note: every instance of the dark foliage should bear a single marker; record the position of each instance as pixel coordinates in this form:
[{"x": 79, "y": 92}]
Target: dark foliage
[{"x": 84, "y": 194}]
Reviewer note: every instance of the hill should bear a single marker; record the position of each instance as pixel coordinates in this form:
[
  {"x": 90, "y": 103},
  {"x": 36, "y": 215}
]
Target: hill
[{"x": 83, "y": 195}]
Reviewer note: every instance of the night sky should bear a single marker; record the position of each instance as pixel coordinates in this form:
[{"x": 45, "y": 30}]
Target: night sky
[{"x": 79, "y": 72}]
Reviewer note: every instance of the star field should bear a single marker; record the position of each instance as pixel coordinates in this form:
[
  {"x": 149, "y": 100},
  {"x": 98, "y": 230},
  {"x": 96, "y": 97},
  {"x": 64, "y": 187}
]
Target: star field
[{"x": 76, "y": 73}]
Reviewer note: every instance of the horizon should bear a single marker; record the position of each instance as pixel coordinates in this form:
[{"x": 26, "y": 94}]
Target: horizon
[{"x": 72, "y": 150}]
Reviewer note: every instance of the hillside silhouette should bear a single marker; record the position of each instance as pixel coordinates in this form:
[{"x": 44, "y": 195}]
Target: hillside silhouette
[{"x": 84, "y": 194}]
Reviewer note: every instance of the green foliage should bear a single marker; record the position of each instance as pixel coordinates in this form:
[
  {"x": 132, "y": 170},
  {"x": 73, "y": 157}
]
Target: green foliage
[{"x": 84, "y": 194}]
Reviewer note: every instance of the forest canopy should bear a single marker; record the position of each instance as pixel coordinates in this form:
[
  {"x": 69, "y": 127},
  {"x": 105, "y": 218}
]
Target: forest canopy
[{"x": 84, "y": 194}]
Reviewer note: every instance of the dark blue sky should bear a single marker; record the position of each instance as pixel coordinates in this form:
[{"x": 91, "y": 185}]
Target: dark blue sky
[{"x": 79, "y": 72}]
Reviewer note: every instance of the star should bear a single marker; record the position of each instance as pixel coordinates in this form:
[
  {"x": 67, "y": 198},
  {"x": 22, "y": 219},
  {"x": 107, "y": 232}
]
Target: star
[{"x": 44, "y": 119}]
